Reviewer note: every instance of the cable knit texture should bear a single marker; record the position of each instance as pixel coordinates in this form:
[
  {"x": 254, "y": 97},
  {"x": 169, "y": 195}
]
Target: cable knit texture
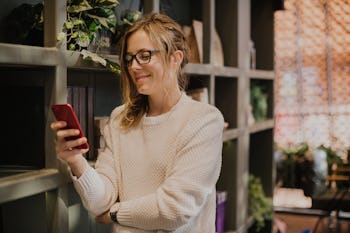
[{"x": 161, "y": 174}]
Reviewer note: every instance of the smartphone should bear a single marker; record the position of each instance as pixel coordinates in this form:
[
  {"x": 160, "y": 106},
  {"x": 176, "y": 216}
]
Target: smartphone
[{"x": 65, "y": 112}]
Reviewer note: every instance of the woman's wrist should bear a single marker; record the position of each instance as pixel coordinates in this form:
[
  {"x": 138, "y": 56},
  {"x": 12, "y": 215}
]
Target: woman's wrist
[
  {"x": 77, "y": 165},
  {"x": 113, "y": 212}
]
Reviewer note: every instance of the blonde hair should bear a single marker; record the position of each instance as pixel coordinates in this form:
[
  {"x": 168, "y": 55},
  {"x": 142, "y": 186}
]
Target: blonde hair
[{"x": 166, "y": 34}]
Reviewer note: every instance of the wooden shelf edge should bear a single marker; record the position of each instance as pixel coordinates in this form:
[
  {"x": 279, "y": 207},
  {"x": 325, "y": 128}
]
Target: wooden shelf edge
[
  {"x": 29, "y": 183},
  {"x": 261, "y": 74},
  {"x": 208, "y": 69},
  {"x": 15, "y": 54},
  {"x": 230, "y": 72},
  {"x": 201, "y": 69},
  {"x": 75, "y": 60},
  {"x": 261, "y": 126},
  {"x": 230, "y": 134}
]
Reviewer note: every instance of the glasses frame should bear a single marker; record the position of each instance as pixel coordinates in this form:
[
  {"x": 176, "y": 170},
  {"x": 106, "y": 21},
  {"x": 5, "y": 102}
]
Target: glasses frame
[{"x": 134, "y": 56}]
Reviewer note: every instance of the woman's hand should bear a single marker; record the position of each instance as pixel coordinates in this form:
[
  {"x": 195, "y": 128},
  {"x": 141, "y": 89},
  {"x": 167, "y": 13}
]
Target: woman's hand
[
  {"x": 104, "y": 218},
  {"x": 65, "y": 149}
]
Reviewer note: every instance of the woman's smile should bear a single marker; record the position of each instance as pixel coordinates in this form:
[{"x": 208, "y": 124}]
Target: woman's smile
[{"x": 141, "y": 78}]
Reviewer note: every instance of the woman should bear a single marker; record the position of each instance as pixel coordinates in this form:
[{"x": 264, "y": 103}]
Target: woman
[{"x": 163, "y": 150}]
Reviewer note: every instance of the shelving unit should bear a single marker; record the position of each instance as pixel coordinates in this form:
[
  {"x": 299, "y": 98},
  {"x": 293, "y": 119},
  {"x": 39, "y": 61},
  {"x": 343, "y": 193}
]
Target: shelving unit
[{"x": 247, "y": 148}]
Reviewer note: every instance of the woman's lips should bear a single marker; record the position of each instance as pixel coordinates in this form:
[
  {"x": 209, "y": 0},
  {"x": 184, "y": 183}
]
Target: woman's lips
[{"x": 141, "y": 78}]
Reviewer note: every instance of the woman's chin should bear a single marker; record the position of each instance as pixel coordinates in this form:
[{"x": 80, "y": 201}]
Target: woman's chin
[{"x": 143, "y": 91}]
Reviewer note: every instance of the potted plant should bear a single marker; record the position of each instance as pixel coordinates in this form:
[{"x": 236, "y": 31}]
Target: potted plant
[
  {"x": 92, "y": 25},
  {"x": 259, "y": 206},
  {"x": 86, "y": 19}
]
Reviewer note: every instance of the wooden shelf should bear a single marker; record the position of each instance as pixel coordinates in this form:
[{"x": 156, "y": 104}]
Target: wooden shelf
[
  {"x": 261, "y": 126},
  {"x": 230, "y": 134},
  {"x": 261, "y": 74},
  {"x": 29, "y": 183},
  {"x": 207, "y": 69},
  {"x": 228, "y": 89},
  {"x": 13, "y": 54}
]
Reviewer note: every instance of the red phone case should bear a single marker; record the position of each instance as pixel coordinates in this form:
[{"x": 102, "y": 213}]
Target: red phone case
[{"x": 65, "y": 112}]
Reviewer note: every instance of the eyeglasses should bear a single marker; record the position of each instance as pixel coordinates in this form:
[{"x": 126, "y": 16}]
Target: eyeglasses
[{"x": 142, "y": 57}]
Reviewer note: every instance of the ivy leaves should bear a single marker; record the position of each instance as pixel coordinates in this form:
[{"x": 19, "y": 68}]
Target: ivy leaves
[{"x": 85, "y": 18}]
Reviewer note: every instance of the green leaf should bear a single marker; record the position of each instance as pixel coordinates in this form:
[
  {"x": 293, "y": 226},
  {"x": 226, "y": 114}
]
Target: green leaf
[
  {"x": 78, "y": 22},
  {"x": 87, "y": 55},
  {"x": 259, "y": 206},
  {"x": 71, "y": 47},
  {"x": 61, "y": 36},
  {"x": 107, "y": 3},
  {"x": 113, "y": 67},
  {"x": 74, "y": 35},
  {"x": 83, "y": 39},
  {"x": 108, "y": 23},
  {"x": 69, "y": 24},
  {"x": 93, "y": 27},
  {"x": 83, "y": 6}
]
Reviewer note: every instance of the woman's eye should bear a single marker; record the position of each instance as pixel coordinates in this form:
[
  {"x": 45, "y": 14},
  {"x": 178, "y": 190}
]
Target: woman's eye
[{"x": 144, "y": 56}]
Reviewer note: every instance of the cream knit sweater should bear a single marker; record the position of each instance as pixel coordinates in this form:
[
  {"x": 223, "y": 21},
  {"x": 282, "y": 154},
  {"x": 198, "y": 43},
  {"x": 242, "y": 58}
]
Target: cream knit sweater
[{"x": 161, "y": 174}]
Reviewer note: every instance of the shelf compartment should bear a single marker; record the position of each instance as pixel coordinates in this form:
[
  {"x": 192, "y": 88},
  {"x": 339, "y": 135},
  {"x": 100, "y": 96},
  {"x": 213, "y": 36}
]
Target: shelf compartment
[
  {"x": 227, "y": 182},
  {"x": 34, "y": 208},
  {"x": 261, "y": 99},
  {"x": 226, "y": 24},
  {"x": 197, "y": 81},
  {"x": 24, "y": 99},
  {"x": 262, "y": 23},
  {"x": 226, "y": 99},
  {"x": 261, "y": 147}
]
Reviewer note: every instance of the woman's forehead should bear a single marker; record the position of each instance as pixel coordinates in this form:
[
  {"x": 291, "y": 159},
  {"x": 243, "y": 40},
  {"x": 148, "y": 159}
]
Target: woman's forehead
[{"x": 139, "y": 40}]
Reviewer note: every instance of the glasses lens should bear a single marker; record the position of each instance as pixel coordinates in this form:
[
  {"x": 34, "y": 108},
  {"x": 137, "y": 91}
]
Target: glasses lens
[{"x": 143, "y": 57}]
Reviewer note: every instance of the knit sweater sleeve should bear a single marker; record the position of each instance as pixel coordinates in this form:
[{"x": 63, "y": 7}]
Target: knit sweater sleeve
[
  {"x": 192, "y": 178},
  {"x": 98, "y": 187}
]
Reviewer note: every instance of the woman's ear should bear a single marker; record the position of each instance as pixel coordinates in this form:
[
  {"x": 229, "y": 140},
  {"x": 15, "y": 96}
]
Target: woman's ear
[{"x": 177, "y": 57}]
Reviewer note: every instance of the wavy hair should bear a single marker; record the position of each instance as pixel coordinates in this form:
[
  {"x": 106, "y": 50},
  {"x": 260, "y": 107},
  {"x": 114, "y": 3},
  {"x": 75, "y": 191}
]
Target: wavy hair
[{"x": 166, "y": 34}]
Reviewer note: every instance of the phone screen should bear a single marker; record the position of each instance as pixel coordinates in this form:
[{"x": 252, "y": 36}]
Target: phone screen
[{"x": 65, "y": 112}]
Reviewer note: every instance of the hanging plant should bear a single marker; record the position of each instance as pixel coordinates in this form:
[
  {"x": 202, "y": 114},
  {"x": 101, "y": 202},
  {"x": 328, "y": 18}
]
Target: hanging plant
[{"x": 85, "y": 20}]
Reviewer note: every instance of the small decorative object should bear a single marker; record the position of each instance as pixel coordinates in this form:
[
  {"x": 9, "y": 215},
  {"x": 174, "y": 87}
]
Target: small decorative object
[
  {"x": 221, "y": 197},
  {"x": 258, "y": 100},
  {"x": 252, "y": 52},
  {"x": 251, "y": 119},
  {"x": 194, "y": 35}
]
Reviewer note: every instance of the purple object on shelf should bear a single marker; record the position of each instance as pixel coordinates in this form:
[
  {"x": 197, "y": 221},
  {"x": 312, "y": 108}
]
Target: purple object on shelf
[{"x": 221, "y": 197}]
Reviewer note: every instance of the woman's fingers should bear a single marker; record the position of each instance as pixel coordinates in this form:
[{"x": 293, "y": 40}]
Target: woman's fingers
[
  {"x": 62, "y": 145},
  {"x": 56, "y": 125}
]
